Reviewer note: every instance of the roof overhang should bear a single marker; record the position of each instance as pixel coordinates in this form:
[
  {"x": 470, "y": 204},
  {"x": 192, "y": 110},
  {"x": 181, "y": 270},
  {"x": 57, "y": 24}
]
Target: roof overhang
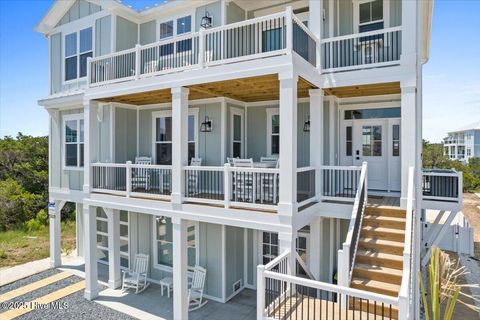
[{"x": 426, "y": 28}]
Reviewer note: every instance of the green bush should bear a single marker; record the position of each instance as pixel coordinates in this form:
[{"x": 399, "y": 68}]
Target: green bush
[
  {"x": 33, "y": 225},
  {"x": 42, "y": 217}
]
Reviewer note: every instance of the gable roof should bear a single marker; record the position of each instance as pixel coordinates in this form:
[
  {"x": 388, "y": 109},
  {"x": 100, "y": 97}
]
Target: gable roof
[{"x": 471, "y": 126}]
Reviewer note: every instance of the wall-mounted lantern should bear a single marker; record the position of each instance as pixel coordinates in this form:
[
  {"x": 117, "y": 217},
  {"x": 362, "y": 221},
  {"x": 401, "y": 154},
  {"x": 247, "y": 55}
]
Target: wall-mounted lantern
[
  {"x": 306, "y": 125},
  {"x": 206, "y": 21},
  {"x": 207, "y": 125}
]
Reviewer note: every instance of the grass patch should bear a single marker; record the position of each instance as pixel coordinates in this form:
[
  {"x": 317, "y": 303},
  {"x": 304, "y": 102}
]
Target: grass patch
[{"x": 21, "y": 246}]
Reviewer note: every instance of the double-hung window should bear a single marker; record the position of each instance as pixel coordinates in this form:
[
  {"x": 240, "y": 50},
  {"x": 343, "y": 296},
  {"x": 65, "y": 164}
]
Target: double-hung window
[
  {"x": 73, "y": 140},
  {"x": 78, "y": 47},
  {"x": 273, "y": 132},
  {"x": 162, "y": 123},
  {"x": 370, "y": 16},
  {"x": 164, "y": 243}
]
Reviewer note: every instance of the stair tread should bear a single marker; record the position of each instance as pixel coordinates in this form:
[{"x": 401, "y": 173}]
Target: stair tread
[
  {"x": 383, "y": 229},
  {"x": 371, "y": 253},
  {"x": 378, "y": 217},
  {"x": 378, "y": 269},
  {"x": 373, "y": 240},
  {"x": 386, "y": 211},
  {"x": 357, "y": 281}
]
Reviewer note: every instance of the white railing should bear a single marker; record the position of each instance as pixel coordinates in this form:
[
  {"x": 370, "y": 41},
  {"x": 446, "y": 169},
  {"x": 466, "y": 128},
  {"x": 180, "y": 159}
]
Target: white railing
[
  {"x": 346, "y": 255},
  {"x": 281, "y": 295},
  {"x": 442, "y": 185},
  {"x": 406, "y": 294},
  {"x": 362, "y": 50},
  {"x": 132, "y": 180},
  {"x": 232, "y": 186},
  {"x": 340, "y": 183},
  {"x": 271, "y": 35}
]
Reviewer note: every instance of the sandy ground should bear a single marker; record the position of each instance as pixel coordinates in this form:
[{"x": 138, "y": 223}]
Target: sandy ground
[{"x": 471, "y": 209}]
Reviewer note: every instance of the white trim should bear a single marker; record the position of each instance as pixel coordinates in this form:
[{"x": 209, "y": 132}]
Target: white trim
[{"x": 270, "y": 113}]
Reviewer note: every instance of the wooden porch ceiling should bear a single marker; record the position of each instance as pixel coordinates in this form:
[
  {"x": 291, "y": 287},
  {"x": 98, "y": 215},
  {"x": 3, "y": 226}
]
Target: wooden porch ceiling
[
  {"x": 261, "y": 88},
  {"x": 364, "y": 90}
]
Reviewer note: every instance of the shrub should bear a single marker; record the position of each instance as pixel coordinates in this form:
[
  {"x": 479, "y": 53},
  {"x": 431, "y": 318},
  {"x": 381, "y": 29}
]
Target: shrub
[
  {"x": 42, "y": 217},
  {"x": 33, "y": 225}
]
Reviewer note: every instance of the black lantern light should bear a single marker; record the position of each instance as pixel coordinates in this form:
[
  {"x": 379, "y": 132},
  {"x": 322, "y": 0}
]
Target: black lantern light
[
  {"x": 306, "y": 125},
  {"x": 206, "y": 20},
  {"x": 207, "y": 125}
]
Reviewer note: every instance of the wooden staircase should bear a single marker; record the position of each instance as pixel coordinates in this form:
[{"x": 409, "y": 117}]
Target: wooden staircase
[{"x": 379, "y": 259}]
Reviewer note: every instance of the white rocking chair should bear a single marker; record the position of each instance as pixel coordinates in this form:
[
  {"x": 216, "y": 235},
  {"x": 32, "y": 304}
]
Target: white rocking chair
[
  {"x": 141, "y": 176},
  {"x": 137, "y": 278},
  {"x": 193, "y": 177},
  {"x": 195, "y": 291}
]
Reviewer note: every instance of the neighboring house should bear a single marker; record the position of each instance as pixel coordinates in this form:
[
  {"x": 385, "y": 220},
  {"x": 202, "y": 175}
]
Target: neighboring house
[
  {"x": 463, "y": 143},
  {"x": 332, "y": 89}
]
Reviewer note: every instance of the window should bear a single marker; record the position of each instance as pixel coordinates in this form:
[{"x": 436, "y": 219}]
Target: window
[
  {"x": 269, "y": 247},
  {"x": 372, "y": 141},
  {"x": 469, "y": 152},
  {"x": 166, "y": 29},
  {"x": 163, "y": 136},
  {"x": 370, "y": 16},
  {"x": 375, "y": 113},
  {"x": 164, "y": 243},
  {"x": 236, "y": 132},
  {"x": 396, "y": 140},
  {"x": 273, "y": 132},
  {"x": 78, "y": 47},
  {"x": 124, "y": 241},
  {"x": 73, "y": 141},
  {"x": 184, "y": 25},
  {"x": 348, "y": 141}
]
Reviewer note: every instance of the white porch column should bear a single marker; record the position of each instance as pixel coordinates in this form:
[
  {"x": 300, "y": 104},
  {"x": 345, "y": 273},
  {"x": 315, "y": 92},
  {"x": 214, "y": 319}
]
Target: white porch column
[
  {"x": 315, "y": 247},
  {"x": 180, "y": 141},
  {"x": 180, "y": 293},
  {"x": 79, "y": 229},
  {"x": 286, "y": 241},
  {"x": 314, "y": 22},
  {"x": 90, "y": 153},
  {"x": 407, "y": 134},
  {"x": 316, "y": 136},
  {"x": 91, "y": 271},
  {"x": 331, "y": 128},
  {"x": 287, "y": 205},
  {"x": 54, "y": 213},
  {"x": 409, "y": 33},
  {"x": 114, "y": 274}
]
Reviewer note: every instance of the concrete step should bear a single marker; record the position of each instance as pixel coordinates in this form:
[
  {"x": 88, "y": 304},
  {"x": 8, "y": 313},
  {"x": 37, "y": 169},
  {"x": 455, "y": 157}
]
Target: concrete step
[
  {"x": 378, "y": 258},
  {"x": 383, "y": 233},
  {"x": 376, "y": 286},
  {"x": 381, "y": 245},
  {"x": 379, "y": 273}
]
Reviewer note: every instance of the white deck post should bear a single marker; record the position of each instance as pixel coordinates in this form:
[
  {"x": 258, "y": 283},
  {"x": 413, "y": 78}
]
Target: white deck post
[
  {"x": 315, "y": 244},
  {"x": 408, "y": 134},
  {"x": 90, "y": 154},
  {"x": 91, "y": 270},
  {"x": 180, "y": 141},
  {"x": 287, "y": 205},
  {"x": 260, "y": 291},
  {"x": 316, "y": 137},
  {"x": 54, "y": 213},
  {"x": 114, "y": 274},
  {"x": 286, "y": 241},
  {"x": 180, "y": 293},
  {"x": 227, "y": 184}
]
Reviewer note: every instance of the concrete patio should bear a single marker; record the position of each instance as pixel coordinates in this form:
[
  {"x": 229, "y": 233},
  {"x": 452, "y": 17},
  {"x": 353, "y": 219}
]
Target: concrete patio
[{"x": 151, "y": 305}]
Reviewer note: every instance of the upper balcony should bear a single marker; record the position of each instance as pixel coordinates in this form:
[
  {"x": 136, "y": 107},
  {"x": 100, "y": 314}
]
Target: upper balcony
[{"x": 267, "y": 36}]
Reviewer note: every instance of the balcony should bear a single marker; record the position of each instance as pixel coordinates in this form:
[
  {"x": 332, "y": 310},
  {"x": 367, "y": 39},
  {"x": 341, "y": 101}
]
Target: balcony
[{"x": 259, "y": 38}]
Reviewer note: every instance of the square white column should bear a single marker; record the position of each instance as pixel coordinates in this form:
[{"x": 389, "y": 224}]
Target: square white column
[
  {"x": 287, "y": 241},
  {"x": 180, "y": 291},
  {"x": 287, "y": 204},
  {"x": 114, "y": 272},
  {"x": 408, "y": 140},
  {"x": 91, "y": 270},
  {"x": 90, "y": 150},
  {"x": 315, "y": 247},
  {"x": 179, "y": 141},
  {"x": 54, "y": 214},
  {"x": 316, "y": 136}
]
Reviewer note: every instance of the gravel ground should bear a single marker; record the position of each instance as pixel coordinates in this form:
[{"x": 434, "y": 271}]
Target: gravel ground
[{"x": 76, "y": 306}]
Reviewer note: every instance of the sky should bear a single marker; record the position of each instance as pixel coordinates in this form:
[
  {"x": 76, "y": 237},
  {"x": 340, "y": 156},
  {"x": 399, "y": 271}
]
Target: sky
[{"x": 451, "y": 78}]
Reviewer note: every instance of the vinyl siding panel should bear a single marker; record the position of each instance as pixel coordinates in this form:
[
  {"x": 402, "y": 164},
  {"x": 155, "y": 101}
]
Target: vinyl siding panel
[
  {"x": 215, "y": 10},
  {"x": 234, "y": 13},
  {"x": 125, "y": 135},
  {"x": 234, "y": 257},
  {"x": 395, "y": 13},
  {"x": 346, "y": 18},
  {"x": 79, "y": 9},
  {"x": 211, "y": 257},
  {"x": 126, "y": 34},
  {"x": 103, "y": 34},
  {"x": 55, "y": 63},
  {"x": 148, "y": 32}
]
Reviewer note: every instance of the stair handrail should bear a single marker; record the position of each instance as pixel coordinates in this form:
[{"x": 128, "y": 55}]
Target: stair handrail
[
  {"x": 405, "y": 294},
  {"x": 346, "y": 255}
]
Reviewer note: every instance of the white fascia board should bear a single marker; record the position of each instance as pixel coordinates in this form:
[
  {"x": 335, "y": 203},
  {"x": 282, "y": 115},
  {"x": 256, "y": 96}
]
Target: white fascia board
[
  {"x": 426, "y": 29},
  {"x": 66, "y": 194},
  {"x": 253, "y": 68},
  {"x": 63, "y": 102}
]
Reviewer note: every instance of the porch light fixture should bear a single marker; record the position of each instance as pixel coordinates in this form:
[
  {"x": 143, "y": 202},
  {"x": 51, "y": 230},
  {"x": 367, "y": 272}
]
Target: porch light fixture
[
  {"x": 206, "y": 20},
  {"x": 306, "y": 125},
  {"x": 207, "y": 125}
]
